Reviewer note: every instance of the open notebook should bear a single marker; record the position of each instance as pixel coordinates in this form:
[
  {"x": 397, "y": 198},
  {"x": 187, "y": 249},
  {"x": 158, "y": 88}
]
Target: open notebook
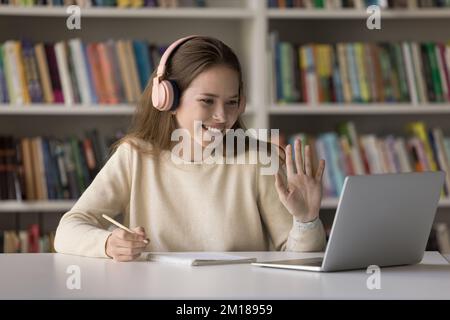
[{"x": 198, "y": 258}]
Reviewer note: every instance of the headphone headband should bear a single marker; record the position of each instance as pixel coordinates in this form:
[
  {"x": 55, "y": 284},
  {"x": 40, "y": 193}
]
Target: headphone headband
[{"x": 162, "y": 64}]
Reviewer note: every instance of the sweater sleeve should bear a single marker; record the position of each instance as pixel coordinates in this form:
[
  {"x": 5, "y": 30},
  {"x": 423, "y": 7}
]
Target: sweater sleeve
[
  {"x": 81, "y": 230},
  {"x": 285, "y": 233}
]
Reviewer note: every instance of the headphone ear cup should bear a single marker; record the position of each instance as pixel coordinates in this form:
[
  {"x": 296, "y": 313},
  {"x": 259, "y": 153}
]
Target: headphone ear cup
[
  {"x": 155, "y": 95},
  {"x": 160, "y": 95},
  {"x": 176, "y": 95},
  {"x": 165, "y": 96}
]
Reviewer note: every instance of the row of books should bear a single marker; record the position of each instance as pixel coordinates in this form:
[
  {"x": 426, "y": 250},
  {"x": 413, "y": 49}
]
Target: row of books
[
  {"x": 26, "y": 241},
  {"x": 346, "y": 152},
  {"x": 42, "y": 168},
  {"x": 109, "y": 3},
  {"x": 72, "y": 72},
  {"x": 406, "y": 72},
  {"x": 357, "y": 4}
]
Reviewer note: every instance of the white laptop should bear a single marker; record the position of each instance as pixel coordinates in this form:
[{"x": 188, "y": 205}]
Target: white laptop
[{"x": 382, "y": 220}]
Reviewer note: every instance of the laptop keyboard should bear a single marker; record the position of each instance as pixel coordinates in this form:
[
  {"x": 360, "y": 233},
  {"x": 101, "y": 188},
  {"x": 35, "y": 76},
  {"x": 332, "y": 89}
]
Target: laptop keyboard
[{"x": 312, "y": 262}]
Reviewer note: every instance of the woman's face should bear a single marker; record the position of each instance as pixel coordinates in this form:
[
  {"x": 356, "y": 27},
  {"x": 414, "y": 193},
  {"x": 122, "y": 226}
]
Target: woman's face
[{"x": 212, "y": 99}]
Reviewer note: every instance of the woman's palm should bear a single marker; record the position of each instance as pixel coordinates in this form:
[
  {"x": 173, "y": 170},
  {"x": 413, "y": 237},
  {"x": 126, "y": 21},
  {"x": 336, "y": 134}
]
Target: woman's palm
[{"x": 303, "y": 193}]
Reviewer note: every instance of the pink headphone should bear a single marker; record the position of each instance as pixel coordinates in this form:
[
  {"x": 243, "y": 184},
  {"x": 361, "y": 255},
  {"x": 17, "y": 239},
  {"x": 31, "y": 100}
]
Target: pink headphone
[{"x": 165, "y": 93}]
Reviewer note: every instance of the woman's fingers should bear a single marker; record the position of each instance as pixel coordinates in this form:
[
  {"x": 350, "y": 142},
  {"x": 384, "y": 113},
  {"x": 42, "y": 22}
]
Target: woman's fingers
[
  {"x": 320, "y": 170},
  {"x": 124, "y": 253},
  {"x": 298, "y": 156},
  {"x": 139, "y": 230},
  {"x": 289, "y": 164},
  {"x": 129, "y": 244},
  {"x": 304, "y": 165},
  {"x": 125, "y": 235},
  {"x": 308, "y": 161}
]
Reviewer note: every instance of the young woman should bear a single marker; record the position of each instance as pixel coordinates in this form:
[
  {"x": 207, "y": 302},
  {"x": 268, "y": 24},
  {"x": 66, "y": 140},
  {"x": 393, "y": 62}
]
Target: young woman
[{"x": 189, "y": 205}]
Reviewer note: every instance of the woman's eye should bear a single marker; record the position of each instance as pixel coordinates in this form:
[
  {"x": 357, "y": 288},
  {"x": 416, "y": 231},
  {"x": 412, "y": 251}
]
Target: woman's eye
[
  {"x": 207, "y": 101},
  {"x": 210, "y": 101}
]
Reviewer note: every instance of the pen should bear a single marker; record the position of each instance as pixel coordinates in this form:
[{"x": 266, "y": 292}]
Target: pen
[{"x": 121, "y": 225}]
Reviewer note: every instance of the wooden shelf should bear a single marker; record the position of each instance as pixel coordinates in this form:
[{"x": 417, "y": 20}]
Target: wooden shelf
[
  {"x": 57, "y": 206},
  {"x": 61, "y": 109},
  {"x": 356, "y": 14},
  {"x": 221, "y": 13},
  {"x": 61, "y": 206},
  {"x": 332, "y": 109},
  {"x": 125, "y": 109},
  {"x": 194, "y": 13}
]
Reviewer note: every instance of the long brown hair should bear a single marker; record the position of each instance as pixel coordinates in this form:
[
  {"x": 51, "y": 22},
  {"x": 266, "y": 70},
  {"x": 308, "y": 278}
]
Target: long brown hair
[{"x": 186, "y": 62}]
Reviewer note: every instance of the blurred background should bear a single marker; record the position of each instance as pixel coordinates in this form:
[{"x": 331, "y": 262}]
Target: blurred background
[{"x": 368, "y": 89}]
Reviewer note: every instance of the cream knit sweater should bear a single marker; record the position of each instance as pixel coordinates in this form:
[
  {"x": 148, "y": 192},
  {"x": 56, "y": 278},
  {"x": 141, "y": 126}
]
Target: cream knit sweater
[{"x": 184, "y": 207}]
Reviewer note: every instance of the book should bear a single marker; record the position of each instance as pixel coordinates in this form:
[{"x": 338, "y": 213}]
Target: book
[
  {"x": 356, "y": 4},
  {"x": 198, "y": 258},
  {"x": 401, "y": 72},
  {"x": 64, "y": 72},
  {"x": 348, "y": 153},
  {"x": 46, "y": 168},
  {"x": 109, "y": 3},
  {"x": 26, "y": 240}
]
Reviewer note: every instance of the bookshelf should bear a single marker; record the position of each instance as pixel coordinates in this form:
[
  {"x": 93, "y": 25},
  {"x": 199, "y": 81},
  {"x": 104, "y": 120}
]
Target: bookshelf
[
  {"x": 235, "y": 22},
  {"x": 245, "y": 26},
  {"x": 56, "y": 206},
  {"x": 354, "y": 109},
  {"x": 349, "y": 25},
  {"x": 134, "y": 13},
  {"x": 310, "y": 14},
  {"x": 76, "y": 109}
]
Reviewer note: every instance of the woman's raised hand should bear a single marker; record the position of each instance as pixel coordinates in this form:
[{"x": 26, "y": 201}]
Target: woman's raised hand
[{"x": 303, "y": 193}]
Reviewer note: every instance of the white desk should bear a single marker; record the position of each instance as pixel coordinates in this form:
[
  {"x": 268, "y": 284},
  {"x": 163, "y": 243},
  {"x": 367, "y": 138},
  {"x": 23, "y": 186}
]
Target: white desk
[{"x": 43, "y": 276}]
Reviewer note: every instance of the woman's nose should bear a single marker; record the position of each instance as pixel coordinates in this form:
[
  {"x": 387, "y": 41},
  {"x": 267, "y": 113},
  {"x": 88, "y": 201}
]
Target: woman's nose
[{"x": 219, "y": 113}]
